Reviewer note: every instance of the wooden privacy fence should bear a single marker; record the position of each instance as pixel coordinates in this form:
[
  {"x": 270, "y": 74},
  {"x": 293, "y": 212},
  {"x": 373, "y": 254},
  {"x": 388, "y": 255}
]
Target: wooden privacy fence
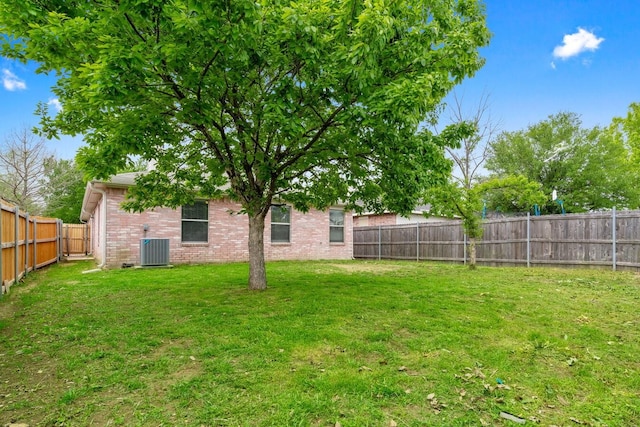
[
  {"x": 606, "y": 239},
  {"x": 28, "y": 243},
  {"x": 76, "y": 239}
]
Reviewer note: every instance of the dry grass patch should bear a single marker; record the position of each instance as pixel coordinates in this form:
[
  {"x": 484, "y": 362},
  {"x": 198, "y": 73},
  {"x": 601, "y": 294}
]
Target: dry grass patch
[{"x": 359, "y": 267}]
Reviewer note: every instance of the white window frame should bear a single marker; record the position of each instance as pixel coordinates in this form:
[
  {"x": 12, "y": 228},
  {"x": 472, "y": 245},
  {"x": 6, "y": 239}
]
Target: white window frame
[
  {"x": 336, "y": 226},
  {"x": 281, "y": 224},
  {"x": 194, "y": 220}
]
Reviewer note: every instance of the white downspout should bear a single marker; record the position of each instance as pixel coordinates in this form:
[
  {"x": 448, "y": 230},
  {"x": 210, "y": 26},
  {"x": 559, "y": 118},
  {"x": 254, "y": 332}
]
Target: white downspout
[{"x": 103, "y": 263}]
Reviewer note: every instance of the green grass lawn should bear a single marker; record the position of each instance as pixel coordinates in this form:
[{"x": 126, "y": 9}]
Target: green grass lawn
[{"x": 328, "y": 344}]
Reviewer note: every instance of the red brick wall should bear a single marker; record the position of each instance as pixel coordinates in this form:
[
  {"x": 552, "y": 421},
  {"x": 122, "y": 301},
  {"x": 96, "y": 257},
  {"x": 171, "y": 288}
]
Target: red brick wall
[
  {"x": 228, "y": 234},
  {"x": 375, "y": 220}
]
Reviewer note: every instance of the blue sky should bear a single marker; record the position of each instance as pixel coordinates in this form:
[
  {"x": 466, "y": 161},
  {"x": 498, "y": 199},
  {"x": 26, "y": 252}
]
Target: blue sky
[{"x": 546, "y": 56}]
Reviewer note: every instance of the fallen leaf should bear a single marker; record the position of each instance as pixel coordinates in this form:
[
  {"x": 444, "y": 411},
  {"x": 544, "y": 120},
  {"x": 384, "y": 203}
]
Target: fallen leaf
[
  {"x": 364, "y": 368},
  {"x": 393, "y": 424},
  {"x": 583, "y": 319},
  {"x": 402, "y": 368},
  {"x": 430, "y": 396}
]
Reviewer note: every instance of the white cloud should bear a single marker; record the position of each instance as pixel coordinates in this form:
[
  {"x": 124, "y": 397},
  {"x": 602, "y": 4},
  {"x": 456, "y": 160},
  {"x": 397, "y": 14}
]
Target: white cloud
[
  {"x": 553, "y": 65},
  {"x": 11, "y": 82},
  {"x": 576, "y": 43},
  {"x": 56, "y": 104}
]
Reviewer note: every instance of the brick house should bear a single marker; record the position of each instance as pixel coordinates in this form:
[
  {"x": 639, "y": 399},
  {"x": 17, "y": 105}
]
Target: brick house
[
  {"x": 391, "y": 218},
  {"x": 208, "y": 230}
]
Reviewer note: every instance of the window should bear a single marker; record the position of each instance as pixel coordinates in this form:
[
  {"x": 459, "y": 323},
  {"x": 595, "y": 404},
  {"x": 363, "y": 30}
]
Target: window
[
  {"x": 195, "y": 222},
  {"x": 280, "y": 224},
  {"x": 336, "y": 226}
]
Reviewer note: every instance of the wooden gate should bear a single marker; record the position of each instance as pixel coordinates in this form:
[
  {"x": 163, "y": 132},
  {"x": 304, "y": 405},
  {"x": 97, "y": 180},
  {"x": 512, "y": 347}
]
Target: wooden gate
[{"x": 76, "y": 239}]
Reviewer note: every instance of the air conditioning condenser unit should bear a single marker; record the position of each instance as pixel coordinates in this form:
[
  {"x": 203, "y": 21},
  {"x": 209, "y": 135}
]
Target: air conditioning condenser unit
[{"x": 154, "y": 252}]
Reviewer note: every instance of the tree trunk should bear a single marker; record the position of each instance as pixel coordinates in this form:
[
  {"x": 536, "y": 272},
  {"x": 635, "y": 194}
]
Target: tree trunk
[
  {"x": 472, "y": 253},
  {"x": 257, "y": 270}
]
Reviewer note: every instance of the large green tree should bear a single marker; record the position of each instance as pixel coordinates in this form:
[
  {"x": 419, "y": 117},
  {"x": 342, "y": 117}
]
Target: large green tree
[
  {"x": 307, "y": 102},
  {"x": 589, "y": 168}
]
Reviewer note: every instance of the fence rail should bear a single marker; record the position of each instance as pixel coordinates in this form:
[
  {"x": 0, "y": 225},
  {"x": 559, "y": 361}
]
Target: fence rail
[
  {"x": 610, "y": 239},
  {"x": 26, "y": 243}
]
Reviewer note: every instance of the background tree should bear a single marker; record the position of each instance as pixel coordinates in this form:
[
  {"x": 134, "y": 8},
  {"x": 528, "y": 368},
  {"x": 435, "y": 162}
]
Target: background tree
[
  {"x": 63, "y": 189},
  {"x": 22, "y": 158},
  {"x": 511, "y": 194},
  {"x": 588, "y": 168},
  {"x": 469, "y": 157},
  {"x": 452, "y": 200},
  {"x": 458, "y": 197},
  {"x": 307, "y": 103},
  {"x": 626, "y": 132}
]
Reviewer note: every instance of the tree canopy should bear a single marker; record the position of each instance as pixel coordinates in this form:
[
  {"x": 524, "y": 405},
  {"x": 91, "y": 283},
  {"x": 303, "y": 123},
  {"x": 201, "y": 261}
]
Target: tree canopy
[
  {"x": 512, "y": 193},
  {"x": 309, "y": 102},
  {"x": 63, "y": 190},
  {"x": 589, "y": 168},
  {"x": 626, "y": 131}
]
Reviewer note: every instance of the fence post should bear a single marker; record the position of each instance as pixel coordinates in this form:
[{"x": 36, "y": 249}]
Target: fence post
[
  {"x": 35, "y": 244},
  {"x": 379, "y": 242},
  {"x": 613, "y": 238},
  {"x": 464, "y": 249},
  {"x": 16, "y": 258},
  {"x": 528, "y": 239},
  {"x": 26, "y": 243},
  {"x": 85, "y": 235},
  {"x": 417, "y": 241},
  {"x": 59, "y": 227},
  {"x": 1, "y": 252},
  {"x": 65, "y": 231}
]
